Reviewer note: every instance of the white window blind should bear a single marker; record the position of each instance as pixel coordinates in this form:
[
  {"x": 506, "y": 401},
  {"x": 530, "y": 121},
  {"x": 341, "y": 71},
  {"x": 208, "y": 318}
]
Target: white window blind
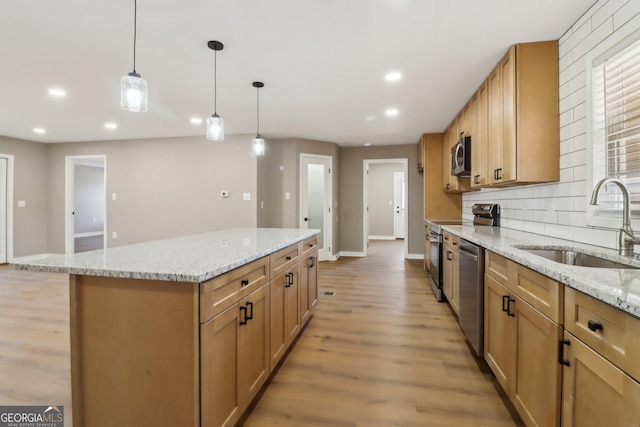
[{"x": 616, "y": 127}]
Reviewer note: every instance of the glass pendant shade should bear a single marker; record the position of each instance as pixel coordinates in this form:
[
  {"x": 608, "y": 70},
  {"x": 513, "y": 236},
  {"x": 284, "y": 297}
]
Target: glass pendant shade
[
  {"x": 257, "y": 144},
  {"x": 215, "y": 128},
  {"x": 133, "y": 93}
]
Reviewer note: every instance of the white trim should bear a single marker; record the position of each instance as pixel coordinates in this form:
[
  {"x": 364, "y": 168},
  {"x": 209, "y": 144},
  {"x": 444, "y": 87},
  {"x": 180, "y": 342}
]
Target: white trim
[
  {"x": 415, "y": 256},
  {"x": 89, "y": 234},
  {"x": 323, "y": 253},
  {"x": 382, "y": 237},
  {"x": 352, "y": 254},
  {"x": 28, "y": 258},
  {"x": 365, "y": 200},
  {"x": 10, "y": 207},
  {"x": 70, "y": 162}
]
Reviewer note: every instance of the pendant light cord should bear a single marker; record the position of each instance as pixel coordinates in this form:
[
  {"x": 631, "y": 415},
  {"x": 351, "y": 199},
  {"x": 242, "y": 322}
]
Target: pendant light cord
[
  {"x": 258, "y": 111},
  {"x": 135, "y": 31},
  {"x": 215, "y": 82}
]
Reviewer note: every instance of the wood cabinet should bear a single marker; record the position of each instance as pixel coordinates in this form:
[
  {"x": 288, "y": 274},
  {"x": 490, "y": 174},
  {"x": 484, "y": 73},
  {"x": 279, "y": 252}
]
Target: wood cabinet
[
  {"x": 437, "y": 202},
  {"x": 523, "y": 120},
  {"x": 285, "y": 313},
  {"x": 420, "y": 155},
  {"x": 600, "y": 364},
  {"x": 308, "y": 286},
  {"x": 520, "y": 341},
  {"x": 234, "y": 358},
  {"x": 479, "y": 137},
  {"x": 452, "y": 183},
  {"x": 451, "y": 267}
]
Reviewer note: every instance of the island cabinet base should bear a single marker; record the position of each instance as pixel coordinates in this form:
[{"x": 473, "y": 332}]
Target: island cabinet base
[{"x": 134, "y": 352}]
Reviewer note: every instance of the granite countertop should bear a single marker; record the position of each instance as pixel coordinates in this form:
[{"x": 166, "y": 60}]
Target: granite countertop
[
  {"x": 617, "y": 287},
  {"x": 195, "y": 258}
]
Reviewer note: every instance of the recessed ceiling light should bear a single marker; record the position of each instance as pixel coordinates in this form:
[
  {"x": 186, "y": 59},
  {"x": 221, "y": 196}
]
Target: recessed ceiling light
[
  {"x": 393, "y": 76},
  {"x": 391, "y": 112},
  {"x": 367, "y": 144},
  {"x": 370, "y": 118},
  {"x": 57, "y": 92},
  {"x": 196, "y": 120},
  {"x": 39, "y": 130},
  {"x": 111, "y": 125}
]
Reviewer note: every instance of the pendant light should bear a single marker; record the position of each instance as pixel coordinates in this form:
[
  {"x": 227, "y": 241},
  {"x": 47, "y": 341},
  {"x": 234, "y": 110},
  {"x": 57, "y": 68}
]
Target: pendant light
[
  {"x": 257, "y": 143},
  {"x": 133, "y": 88},
  {"x": 215, "y": 124}
]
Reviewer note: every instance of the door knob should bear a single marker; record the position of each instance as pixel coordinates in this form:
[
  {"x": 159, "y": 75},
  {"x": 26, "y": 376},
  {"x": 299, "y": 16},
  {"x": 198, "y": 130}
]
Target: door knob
[{"x": 307, "y": 219}]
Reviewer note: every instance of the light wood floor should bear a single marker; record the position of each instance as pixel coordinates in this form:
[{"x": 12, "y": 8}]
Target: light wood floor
[{"x": 381, "y": 352}]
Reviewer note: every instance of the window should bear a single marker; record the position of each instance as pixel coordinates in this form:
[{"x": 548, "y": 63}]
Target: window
[{"x": 616, "y": 128}]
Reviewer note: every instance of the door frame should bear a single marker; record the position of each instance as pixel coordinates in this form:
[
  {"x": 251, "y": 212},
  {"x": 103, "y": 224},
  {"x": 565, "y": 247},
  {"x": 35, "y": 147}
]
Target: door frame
[
  {"x": 328, "y": 197},
  {"x": 9, "y": 207},
  {"x": 403, "y": 197},
  {"x": 365, "y": 201},
  {"x": 69, "y": 198}
]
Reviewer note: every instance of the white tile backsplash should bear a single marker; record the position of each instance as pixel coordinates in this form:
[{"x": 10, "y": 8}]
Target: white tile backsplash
[{"x": 559, "y": 209}]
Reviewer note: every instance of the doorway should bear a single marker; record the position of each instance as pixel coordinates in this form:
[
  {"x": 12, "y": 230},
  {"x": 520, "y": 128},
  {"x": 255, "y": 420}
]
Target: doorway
[
  {"x": 385, "y": 193},
  {"x": 316, "y": 195},
  {"x": 6, "y": 208},
  {"x": 85, "y": 203}
]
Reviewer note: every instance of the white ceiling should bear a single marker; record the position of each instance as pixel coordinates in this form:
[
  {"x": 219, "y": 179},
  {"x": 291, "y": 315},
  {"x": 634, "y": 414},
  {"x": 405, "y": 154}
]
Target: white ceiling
[{"x": 323, "y": 64}]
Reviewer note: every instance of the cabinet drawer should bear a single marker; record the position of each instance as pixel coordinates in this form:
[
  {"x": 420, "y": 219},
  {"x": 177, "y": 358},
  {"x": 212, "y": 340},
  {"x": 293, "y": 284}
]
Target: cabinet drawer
[
  {"x": 283, "y": 259},
  {"x": 451, "y": 240},
  {"x": 221, "y": 292},
  {"x": 543, "y": 293},
  {"x": 608, "y": 330},
  {"x": 308, "y": 245},
  {"x": 496, "y": 266}
]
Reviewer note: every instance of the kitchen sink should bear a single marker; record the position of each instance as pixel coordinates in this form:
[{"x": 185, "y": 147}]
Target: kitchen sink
[{"x": 572, "y": 257}]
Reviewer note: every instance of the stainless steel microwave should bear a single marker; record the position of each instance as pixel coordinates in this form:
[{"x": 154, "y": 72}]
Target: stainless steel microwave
[{"x": 461, "y": 157}]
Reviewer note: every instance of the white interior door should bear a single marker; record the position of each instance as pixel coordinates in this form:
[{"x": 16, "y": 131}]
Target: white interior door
[
  {"x": 316, "y": 184},
  {"x": 399, "y": 204}
]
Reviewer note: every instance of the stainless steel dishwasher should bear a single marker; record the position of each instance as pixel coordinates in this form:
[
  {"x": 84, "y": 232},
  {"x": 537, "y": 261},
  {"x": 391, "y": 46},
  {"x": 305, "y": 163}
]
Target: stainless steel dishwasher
[{"x": 471, "y": 316}]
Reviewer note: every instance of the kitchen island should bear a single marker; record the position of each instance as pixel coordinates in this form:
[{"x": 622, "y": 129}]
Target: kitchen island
[{"x": 183, "y": 331}]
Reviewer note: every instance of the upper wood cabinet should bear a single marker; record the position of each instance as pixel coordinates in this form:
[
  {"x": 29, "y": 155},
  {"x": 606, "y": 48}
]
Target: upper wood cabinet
[
  {"x": 452, "y": 183},
  {"x": 513, "y": 121},
  {"x": 420, "y": 155},
  {"x": 437, "y": 203},
  {"x": 523, "y": 120}
]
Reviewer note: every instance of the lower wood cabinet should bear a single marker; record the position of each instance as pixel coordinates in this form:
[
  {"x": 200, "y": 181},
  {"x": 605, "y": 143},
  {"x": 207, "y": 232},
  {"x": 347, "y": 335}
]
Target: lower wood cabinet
[
  {"x": 285, "y": 313},
  {"x": 521, "y": 348},
  {"x": 451, "y": 270},
  {"x": 234, "y": 358},
  {"x": 595, "y": 392},
  {"x": 308, "y": 286}
]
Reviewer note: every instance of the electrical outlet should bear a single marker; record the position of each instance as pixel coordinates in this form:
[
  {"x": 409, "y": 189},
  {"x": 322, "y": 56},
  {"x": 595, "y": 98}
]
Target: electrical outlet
[
  {"x": 114, "y": 235},
  {"x": 246, "y": 196},
  {"x": 113, "y": 196}
]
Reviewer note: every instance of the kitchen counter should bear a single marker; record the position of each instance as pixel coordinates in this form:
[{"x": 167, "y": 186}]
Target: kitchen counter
[
  {"x": 617, "y": 287},
  {"x": 193, "y": 259}
]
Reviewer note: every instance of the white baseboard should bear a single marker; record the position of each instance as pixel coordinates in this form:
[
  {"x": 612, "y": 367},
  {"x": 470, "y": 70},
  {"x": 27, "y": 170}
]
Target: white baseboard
[
  {"x": 414, "y": 256},
  {"x": 382, "y": 238},
  {"x": 30, "y": 258},
  {"x": 89, "y": 234},
  {"x": 351, "y": 254}
]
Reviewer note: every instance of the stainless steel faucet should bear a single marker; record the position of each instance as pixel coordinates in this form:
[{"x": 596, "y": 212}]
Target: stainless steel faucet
[{"x": 627, "y": 239}]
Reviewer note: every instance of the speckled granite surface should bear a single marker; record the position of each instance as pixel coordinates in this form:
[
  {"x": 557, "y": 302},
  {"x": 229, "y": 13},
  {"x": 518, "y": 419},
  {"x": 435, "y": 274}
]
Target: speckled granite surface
[
  {"x": 194, "y": 258},
  {"x": 618, "y": 287}
]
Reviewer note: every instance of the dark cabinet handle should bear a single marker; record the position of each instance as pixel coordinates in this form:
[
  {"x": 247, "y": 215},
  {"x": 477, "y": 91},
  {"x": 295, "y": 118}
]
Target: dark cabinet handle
[
  {"x": 310, "y": 245},
  {"x": 449, "y": 256},
  {"x": 243, "y": 316},
  {"x": 561, "y": 359},
  {"x": 594, "y": 326},
  {"x": 509, "y": 313},
  {"x": 288, "y": 258},
  {"x": 504, "y": 302},
  {"x": 312, "y": 262},
  {"x": 495, "y": 174},
  {"x": 499, "y": 174},
  {"x": 244, "y": 282},
  {"x": 454, "y": 243},
  {"x": 476, "y": 179},
  {"x": 249, "y": 313},
  {"x": 446, "y": 238},
  {"x": 289, "y": 280},
  {"x": 448, "y": 186}
]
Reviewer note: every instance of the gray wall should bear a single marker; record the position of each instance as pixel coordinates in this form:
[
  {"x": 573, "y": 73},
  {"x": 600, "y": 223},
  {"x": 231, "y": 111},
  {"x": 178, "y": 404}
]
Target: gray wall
[
  {"x": 30, "y": 223},
  {"x": 350, "y": 210},
  {"x": 89, "y": 199},
  {"x": 165, "y": 187},
  {"x": 381, "y": 191},
  {"x": 278, "y": 172}
]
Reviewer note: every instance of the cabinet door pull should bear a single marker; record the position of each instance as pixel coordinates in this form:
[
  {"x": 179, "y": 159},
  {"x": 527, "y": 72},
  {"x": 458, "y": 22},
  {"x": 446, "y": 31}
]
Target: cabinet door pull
[
  {"x": 594, "y": 326},
  {"x": 476, "y": 179},
  {"x": 244, "y": 282},
  {"x": 310, "y": 245},
  {"x": 499, "y": 174},
  {"x": 504, "y": 302},
  {"x": 288, "y": 258},
  {"x": 312, "y": 262},
  {"x": 448, "y": 186},
  {"x": 249, "y": 312},
  {"x": 449, "y": 256},
  {"x": 509, "y": 301},
  {"x": 243, "y": 316},
  {"x": 289, "y": 280},
  {"x": 561, "y": 359},
  {"x": 454, "y": 243},
  {"x": 495, "y": 174}
]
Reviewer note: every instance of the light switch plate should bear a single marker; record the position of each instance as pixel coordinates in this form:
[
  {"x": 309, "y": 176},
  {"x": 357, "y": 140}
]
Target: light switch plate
[
  {"x": 22, "y": 203},
  {"x": 246, "y": 196}
]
